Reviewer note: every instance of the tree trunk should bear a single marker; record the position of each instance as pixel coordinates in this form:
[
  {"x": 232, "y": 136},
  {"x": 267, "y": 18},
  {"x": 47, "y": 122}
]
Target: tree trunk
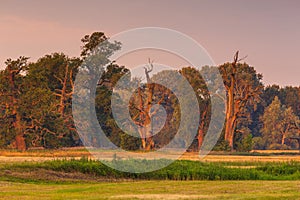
[
  {"x": 230, "y": 117},
  {"x": 200, "y": 138},
  {"x": 148, "y": 123},
  {"x": 63, "y": 92},
  {"x": 230, "y": 106},
  {"x": 283, "y": 138},
  {"x": 145, "y": 129},
  {"x": 20, "y": 143},
  {"x": 20, "y": 140},
  {"x": 17, "y": 123},
  {"x": 201, "y": 127},
  {"x": 145, "y": 126}
]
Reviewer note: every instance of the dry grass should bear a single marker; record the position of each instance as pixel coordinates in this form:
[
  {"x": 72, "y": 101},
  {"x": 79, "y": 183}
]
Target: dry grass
[
  {"x": 275, "y": 151},
  {"x": 68, "y": 152},
  {"x": 44, "y": 155},
  {"x": 238, "y": 158}
]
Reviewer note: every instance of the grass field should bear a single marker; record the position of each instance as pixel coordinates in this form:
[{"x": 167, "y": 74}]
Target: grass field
[
  {"x": 263, "y": 190},
  {"x": 60, "y": 175}
]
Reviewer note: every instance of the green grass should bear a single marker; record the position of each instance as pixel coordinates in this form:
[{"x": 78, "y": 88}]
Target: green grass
[
  {"x": 87, "y": 179},
  {"x": 179, "y": 170},
  {"x": 263, "y": 190}
]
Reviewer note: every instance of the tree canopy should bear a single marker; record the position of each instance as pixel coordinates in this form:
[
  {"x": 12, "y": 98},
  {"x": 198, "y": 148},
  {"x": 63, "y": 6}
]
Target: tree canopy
[{"x": 36, "y": 102}]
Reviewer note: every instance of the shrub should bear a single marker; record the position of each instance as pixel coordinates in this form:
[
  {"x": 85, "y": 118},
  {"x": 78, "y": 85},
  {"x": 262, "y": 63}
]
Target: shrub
[
  {"x": 245, "y": 145},
  {"x": 129, "y": 142}
]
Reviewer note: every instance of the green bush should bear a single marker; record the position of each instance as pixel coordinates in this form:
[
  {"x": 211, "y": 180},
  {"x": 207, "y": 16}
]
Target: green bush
[
  {"x": 129, "y": 142},
  {"x": 245, "y": 145},
  {"x": 258, "y": 143},
  {"x": 222, "y": 146}
]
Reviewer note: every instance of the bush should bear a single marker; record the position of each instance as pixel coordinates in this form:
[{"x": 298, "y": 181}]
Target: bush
[
  {"x": 129, "y": 142},
  {"x": 50, "y": 141},
  {"x": 278, "y": 147},
  {"x": 258, "y": 143},
  {"x": 222, "y": 146},
  {"x": 245, "y": 145}
]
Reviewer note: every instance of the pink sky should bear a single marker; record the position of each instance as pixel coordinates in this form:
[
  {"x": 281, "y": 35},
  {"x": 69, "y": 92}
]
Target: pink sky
[{"x": 267, "y": 31}]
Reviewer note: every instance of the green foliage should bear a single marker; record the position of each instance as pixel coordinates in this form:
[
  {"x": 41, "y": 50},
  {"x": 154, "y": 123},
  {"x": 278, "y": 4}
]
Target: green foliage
[
  {"x": 279, "y": 123},
  {"x": 258, "y": 143},
  {"x": 7, "y": 134},
  {"x": 222, "y": 146},
  {"x": 129, "y": 142},
  {"x": 178, "y": 170},
  {"x": 245, "y": 145}
]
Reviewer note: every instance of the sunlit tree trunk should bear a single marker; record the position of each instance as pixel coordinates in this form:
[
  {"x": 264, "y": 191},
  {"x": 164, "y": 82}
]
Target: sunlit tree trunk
[
  {"x": 17, "y": 122},
  {"x": 230, "y": 106},
  {"x": 200, "y": 135}
]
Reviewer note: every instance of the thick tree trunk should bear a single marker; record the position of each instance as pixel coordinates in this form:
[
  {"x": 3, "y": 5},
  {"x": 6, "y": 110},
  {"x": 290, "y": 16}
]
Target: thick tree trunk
[
  {"x": 230, "y": 116},
  {"x": 200, "y": 135},
  {"x": 230, "y": 130},
  {"x": 20, "y": 143},
  {"x": 20, "y": 140},
  {"x": 200, "y": 138},
  {"x": 230, "y": 106},
  {"x": 17, "y": 123}
]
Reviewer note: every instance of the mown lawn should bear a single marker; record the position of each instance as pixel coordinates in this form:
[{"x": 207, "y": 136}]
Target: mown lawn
[{"x": 153, "y": 190}]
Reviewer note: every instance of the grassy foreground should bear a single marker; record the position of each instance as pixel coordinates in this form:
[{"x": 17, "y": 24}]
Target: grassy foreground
[
  {"x": 183, "y": 179},
  {"x": 154, "y": 190}
]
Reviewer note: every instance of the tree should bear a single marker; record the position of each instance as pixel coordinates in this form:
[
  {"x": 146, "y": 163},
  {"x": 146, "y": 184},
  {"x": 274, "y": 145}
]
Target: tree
[
  {"x": 243, "y": 86},
  {"x": 269, "y": 93},
  {"x": 96, "y": 53},
  {"x": 267, "y": 96},
  {"x": 11, "y": 87},
  {"x": 279, "y": 123},
  {"x": 52, "y": 76},
  {"x": 143, "y": 103},
  {"x": 164, "y": 97},
  {"x": 105, "y": 86},
  {"x": 290, "y": 96},
  {"x": 195, "y": 79}
]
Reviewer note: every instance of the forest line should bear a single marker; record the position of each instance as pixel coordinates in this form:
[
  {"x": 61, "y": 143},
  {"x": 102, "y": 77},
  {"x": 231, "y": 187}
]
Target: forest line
[{"x": 36, "y": 104}]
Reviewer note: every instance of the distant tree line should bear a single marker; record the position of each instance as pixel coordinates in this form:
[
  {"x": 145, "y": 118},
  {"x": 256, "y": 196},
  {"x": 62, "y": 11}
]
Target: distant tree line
[{"x": 36, "y": 104}]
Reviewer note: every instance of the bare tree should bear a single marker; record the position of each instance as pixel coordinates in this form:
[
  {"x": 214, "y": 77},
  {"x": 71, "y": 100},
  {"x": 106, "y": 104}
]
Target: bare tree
[{"x": 144, "y": 100}]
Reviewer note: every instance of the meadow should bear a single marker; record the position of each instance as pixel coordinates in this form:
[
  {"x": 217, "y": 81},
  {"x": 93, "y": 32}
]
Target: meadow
[
  {"x": 262, "y": 190},
  {"x": 217, "y": 177}
]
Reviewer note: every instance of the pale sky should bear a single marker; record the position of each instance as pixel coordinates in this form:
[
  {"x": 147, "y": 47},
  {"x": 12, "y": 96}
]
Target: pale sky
[{"x": 267, "y": 31}]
